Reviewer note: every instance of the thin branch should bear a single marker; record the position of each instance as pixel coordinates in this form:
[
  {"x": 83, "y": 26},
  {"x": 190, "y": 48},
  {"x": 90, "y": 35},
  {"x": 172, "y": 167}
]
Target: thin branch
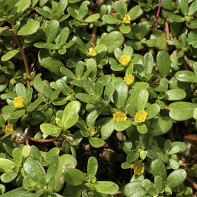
[
  {"x": 157, "y": 15},
  {"x": 187, "y": 61},
  {"x": 93, "y": 43},
  {"x": 158, "y": 80},
  {"x": 21, "y": 49},
  {"x": 167, "y": 30},
  {"x": 45, "y": 140},
  {"x": 26, "y": 133},
  {"x": 194, "y": 185}
]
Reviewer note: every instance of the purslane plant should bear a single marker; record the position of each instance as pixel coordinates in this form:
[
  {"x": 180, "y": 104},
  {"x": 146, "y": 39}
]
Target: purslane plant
[{"x": 75, "y": 71}]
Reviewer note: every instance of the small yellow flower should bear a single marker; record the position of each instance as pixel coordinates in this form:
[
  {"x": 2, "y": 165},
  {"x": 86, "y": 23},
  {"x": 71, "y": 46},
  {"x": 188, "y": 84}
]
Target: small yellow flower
[
  {"x": 93, "y": 130},
  {"x": 124, "y": 60},
  {"x": 18, "y": 101},
  {"x": 138, "y": 167},
  {"x": 126, "y": 19},
  {"x": 8, "y": 128},
  {"x": 140, "y": 116},
  {"x": 129, "y": 79},
  {"x": 119, "y": 116},
  {"x": 92, "y": 52}
]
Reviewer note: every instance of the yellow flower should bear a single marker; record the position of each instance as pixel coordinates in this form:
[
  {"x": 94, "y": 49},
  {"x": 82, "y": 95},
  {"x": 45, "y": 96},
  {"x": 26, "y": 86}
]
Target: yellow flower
[
  {"x": 8, "y": 128},
  {"x": 18, "y": 101},
  {"x": 124, "y": 60},
  {"x": 93, "y": 130},
  {"x": 138, "y": 167},
  {"x": 126, "y": 19},
  {"x": 119, "y": 116},
  {"x": 92, "y": 52},
  {"x": 140, "y": 116},
  {"x": 129, "y": 79}
]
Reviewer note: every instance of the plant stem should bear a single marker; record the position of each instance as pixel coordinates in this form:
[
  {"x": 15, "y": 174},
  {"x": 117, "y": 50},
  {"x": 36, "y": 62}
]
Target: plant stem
[
  {"x": 157, "y": 15},
  {"x": 45, "y": 140},
  {"x": 167, "y": 30},
  {"x": 194, "y": 185},
  {"x": 187, "y": 61},
  {"x": 21, "y": 49},
  {"x": 94, "y": 30}
]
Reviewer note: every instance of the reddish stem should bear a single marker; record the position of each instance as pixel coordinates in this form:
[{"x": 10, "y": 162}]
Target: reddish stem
[{"x": 157, "y": 15}]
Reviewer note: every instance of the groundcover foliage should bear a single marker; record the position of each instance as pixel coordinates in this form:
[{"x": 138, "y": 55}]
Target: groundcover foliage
[{"x": 74, "y": 71}]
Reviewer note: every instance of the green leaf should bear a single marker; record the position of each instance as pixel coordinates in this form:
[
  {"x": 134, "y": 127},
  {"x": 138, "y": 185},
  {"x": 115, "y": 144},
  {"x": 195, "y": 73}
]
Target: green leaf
[
  {"x": 163, "y": 63},
  {"x": 185, "y": 76},
  {"x": 74, "y": 177},
  {"x": 18, "y": 193},
  {"x": 63, "y": 36},
  {"x": 175, "y": 94},
  {"x": 169, "y": 5},
  {"x": 52, "y": 30},
  {"x": 96, "y": 142},
  {"x": 92, "y": 18},
  {"x": 30, "y": 28},
  {"x": 109, "y": 91},
  {"x": 181, "y": 111},
  {"x": 148, "y": 187},
  {"x": 9, "y": 55},
  {"x": 113, "y": 40},
  {"x": 89, "y": 86},
  {"x": 92, "y": 116},
  {"x": 135, "y": 12},
  {"x": 17, "y": 114},
  {"x": 92, "y": 167},
  {"x": 176, "y": 18},
  {"x": 107, "y": 128},
  {"x": 74, "y": 13},
  {"x": 17, "y": 157},
  {"x": 92, "y": 67},
  {"x": 132, "y": 156},
  {"x": 160, "y": 125},
  {"x": 65, "y": 161},
  {"x": 8, "y": 177},
  {"x": 121, "y": 126},
  {"x": 106, "y": 187},
  {"x": 21, "y": 90},
  {"x": 184, "y": 6},
  {"x": 152, "y": 111},
  {"x": 134, "y": 189},
  {"x": 176, "y": 178},
  {"x": 148, "y": 63},
  {"x": 21, "y": 6},
  {"x": 53, "y": 167},
  {"x": 160, "y": 37},
  {"x": 68, "y": 73},
  {"x": 158, "y": 169},
  {"x": 35, "y": 170},
  {"x": 49, "y": 63},
  {"x": 192, "y": 38},
  {"x": 125, "y": 28},
  {"x": 84, "y": 97},
  {"x": 120, "y": 94},
  {"x": 192, "y": 8},
  {"x": 83, "y": 10},
  {"x": 70, "y": 114},
  {"x": 121, "y": 8},
  {"x": 141, "y": 29},
  {"x": 70, "y": 190},
  {"x": 109, "y": 19},
  {"x": 142, "y": 99},
  {"x": 142, "y": 128},
  {"x": 59, "y": 9},
  {"x": 50, "y": 129},
  {"x": 158, "y": 184}
]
